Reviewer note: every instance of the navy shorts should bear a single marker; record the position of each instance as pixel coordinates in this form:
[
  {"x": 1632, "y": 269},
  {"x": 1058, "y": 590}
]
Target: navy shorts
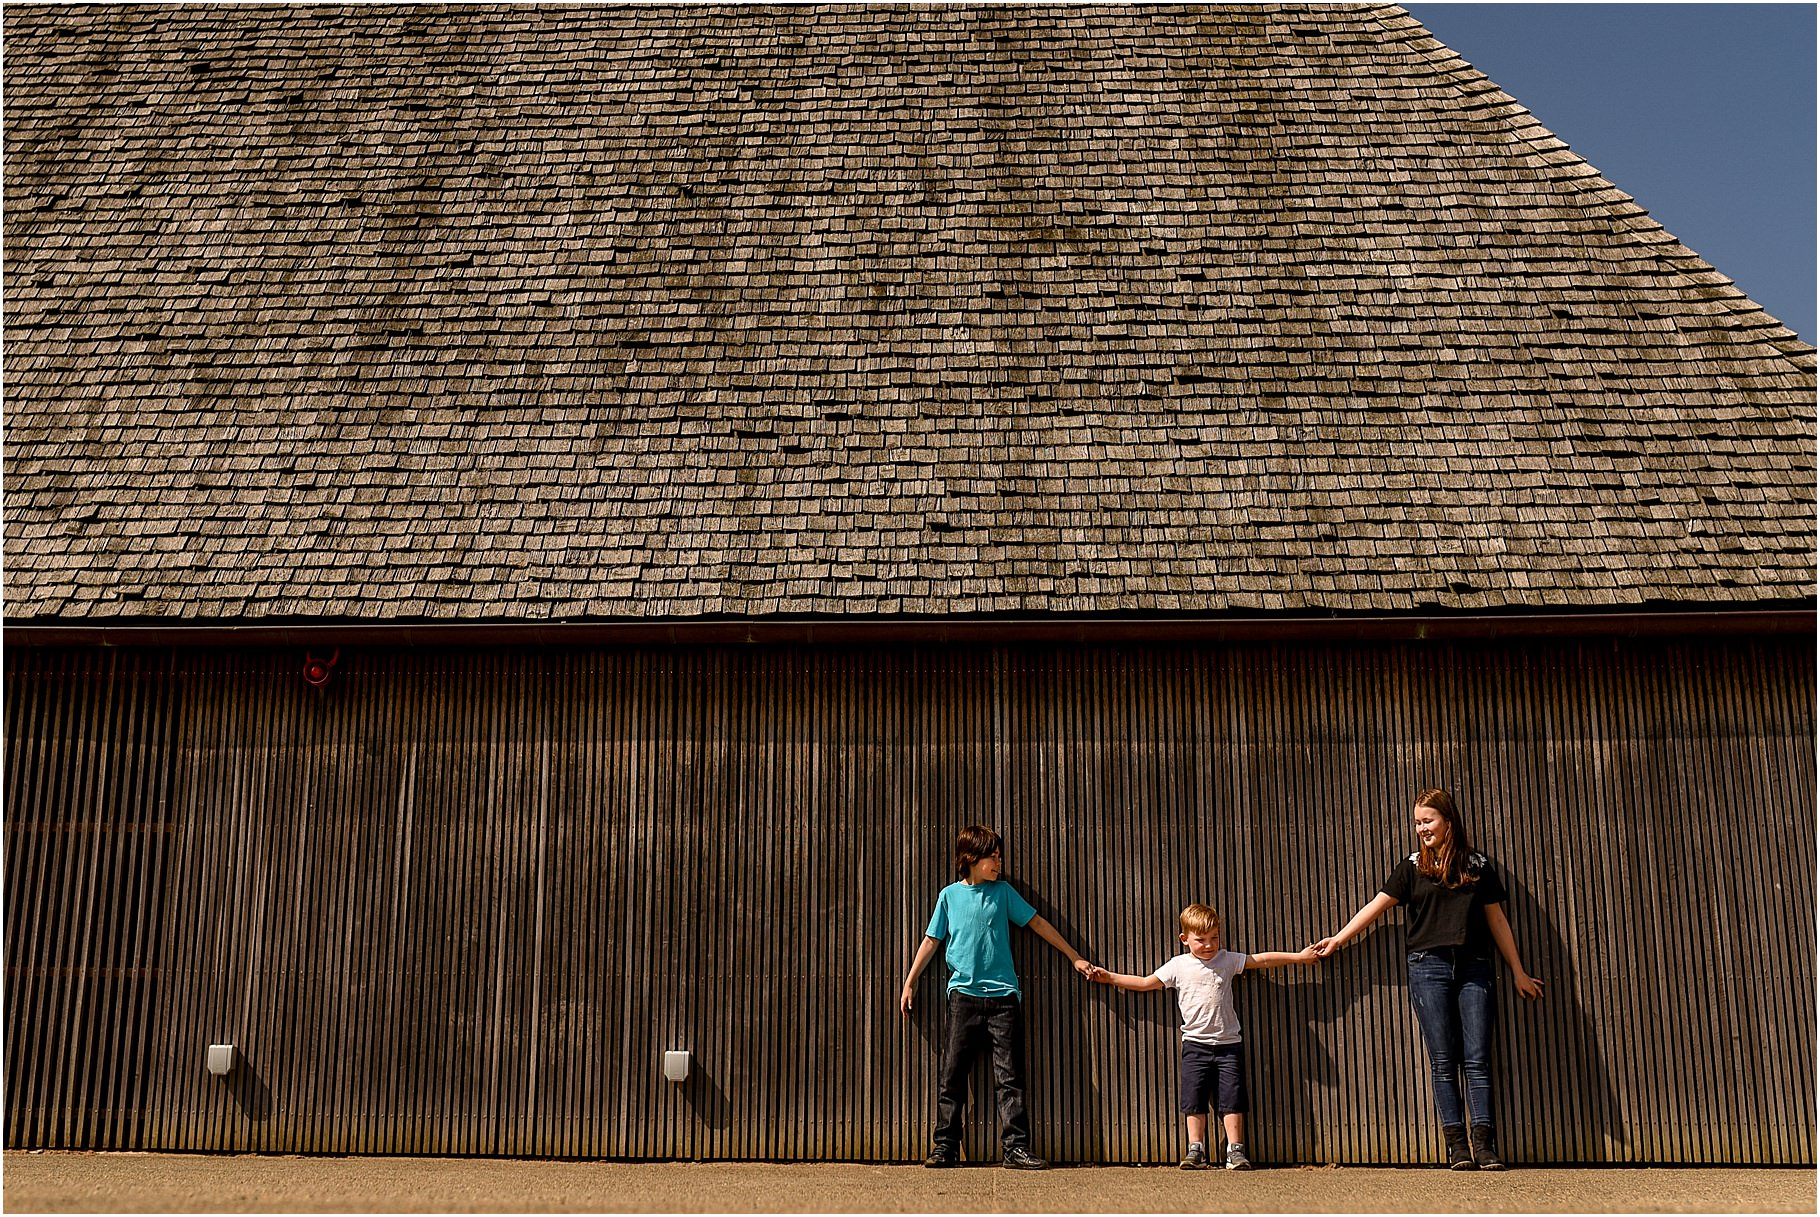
[{"x": 1212, "y": 1074}]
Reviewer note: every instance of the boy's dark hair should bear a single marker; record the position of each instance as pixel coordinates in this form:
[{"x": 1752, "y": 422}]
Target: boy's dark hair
[{"x": 975, "y": 842}]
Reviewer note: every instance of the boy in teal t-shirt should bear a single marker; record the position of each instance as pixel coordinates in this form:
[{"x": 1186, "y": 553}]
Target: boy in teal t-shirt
[{"x": 973, "y": 918}]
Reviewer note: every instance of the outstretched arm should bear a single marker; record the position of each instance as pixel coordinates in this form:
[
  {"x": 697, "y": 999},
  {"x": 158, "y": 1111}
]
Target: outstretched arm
[
  {"x": 1499, "y": 924},
  {"x": 924, "y": 953},
  {"x": 1279, "y": 959},
  {"x": 1380, "y": 904},
  {"x": 1137, "y": 984},
  {"x": 1048, "y": 934}
]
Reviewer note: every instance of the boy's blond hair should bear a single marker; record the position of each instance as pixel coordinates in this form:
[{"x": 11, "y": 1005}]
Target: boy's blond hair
[{"x": 1199, "y": 919}]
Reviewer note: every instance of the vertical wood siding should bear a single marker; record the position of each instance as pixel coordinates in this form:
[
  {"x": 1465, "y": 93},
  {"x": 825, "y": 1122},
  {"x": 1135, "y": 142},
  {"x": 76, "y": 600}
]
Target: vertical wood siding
[{"x": 461, "y": 901}]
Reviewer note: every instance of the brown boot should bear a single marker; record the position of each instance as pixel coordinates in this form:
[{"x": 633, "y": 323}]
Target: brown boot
[
  {"x": 1459, "y": 1153},
  {"x": 1485, "y": 1149}
]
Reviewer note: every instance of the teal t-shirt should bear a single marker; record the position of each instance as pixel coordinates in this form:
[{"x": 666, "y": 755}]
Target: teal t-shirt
[{"x": 973, "y": 922}]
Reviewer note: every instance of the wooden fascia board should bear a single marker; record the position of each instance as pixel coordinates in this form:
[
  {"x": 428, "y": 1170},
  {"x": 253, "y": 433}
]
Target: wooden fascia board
[{"x": 851, "y": 631}]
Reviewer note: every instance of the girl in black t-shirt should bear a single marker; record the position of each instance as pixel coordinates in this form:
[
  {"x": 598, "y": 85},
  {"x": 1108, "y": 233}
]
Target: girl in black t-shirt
[{"x": 1456, "y": 919}]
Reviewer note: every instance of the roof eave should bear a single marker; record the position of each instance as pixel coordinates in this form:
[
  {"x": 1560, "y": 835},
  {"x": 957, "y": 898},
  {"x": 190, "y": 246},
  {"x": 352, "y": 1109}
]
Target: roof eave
[{"x": 929, "y": 629}]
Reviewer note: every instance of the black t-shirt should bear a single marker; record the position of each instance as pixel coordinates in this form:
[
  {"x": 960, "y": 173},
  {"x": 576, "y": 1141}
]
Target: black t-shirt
[{"x": 1441, "y": 916}]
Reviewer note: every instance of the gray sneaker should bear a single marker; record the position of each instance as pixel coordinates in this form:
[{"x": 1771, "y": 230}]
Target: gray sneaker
[
  {"x": 1236, "y": 1159},
  {"x": 1196, "y": 1157}
]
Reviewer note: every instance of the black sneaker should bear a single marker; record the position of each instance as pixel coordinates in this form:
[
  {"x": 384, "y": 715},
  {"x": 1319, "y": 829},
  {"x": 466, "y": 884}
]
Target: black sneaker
[
  {"x": 943, "y": 1155},
  {"x": 1021, "y": 1159},
  {"x": 1485, "y": 1154},
  {"x": 1196, "y": 1157}
]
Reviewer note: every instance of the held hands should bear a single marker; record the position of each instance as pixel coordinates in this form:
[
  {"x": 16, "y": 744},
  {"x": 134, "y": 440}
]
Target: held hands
[
  {"x": 1084, "y": 968},
  {"x": 1098, "y": 974},
  {"x": 1325, "y": 947}
]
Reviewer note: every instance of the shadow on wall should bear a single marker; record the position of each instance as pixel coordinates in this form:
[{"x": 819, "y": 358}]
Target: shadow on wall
[
  {"x": 1134, "y": 1019},
  {"x": 706, "y": 1099},
  {"x": 1296, "y": 1083},
  {"x": 249, "y": 1091},
  {"x": 1081, "y": 1104},
  {"x": 1061, "y": 1056},
  {"x": 929, "y": 1020},
  {"x": 1573, "y": 1115}
]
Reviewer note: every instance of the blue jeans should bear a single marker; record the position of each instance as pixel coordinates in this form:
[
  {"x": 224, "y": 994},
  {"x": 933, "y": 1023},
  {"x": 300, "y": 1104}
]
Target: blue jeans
[{"x": 1452, "y": 995}]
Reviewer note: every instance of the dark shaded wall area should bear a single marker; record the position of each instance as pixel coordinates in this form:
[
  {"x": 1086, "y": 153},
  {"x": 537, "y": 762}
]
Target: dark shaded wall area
[{"x": 461, "y": 901}]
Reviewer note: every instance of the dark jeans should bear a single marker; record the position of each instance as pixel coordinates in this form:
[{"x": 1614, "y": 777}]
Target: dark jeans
[
  {"x": 1452, "y": 995},
  {"x": 974, "y": 1025}
]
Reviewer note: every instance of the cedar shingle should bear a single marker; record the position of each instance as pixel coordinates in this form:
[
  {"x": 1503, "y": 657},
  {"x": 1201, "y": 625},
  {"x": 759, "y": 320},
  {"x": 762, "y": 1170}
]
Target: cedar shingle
[{"x": 502, "y": 313}]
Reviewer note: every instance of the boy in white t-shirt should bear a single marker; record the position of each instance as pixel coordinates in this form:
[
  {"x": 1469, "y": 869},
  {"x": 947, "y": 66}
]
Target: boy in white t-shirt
[{"x": 1212, "y": 1060}]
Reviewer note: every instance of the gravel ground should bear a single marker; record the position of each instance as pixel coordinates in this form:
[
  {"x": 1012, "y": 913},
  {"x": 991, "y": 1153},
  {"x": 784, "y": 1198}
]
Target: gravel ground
[{"x": 53, "y": 1182}]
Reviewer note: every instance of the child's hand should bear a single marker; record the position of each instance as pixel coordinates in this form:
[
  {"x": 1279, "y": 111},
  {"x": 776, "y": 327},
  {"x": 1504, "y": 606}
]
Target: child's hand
[
  {"x": 1097, "y": 974},
  {"x": 1307, "y": 955},
  {"x": 903, "y": 1001},
  {"x": 1528, "y": 986},
  {"x": 1324, "y": 948},
  {"x": 1084, "y": 968}
]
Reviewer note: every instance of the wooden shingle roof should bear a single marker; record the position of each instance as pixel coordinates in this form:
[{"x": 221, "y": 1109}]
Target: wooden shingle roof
[{"x": 527, "y": 313}]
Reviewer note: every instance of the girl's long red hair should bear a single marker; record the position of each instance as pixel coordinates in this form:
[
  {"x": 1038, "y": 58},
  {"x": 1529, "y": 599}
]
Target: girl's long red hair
[{"x": 1446, "y": 865}]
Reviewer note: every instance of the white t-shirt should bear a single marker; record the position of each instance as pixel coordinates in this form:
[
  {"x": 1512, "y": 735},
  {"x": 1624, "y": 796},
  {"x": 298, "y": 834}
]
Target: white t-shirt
[{"x": 1204, "y": 992}]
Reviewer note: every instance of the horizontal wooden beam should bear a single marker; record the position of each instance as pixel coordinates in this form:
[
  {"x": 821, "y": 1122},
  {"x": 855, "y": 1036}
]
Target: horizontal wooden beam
[{"x": 862, "y": 630}]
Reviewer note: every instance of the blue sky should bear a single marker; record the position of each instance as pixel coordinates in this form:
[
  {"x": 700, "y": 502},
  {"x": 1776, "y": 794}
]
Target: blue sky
[{"x": 1704, "y": 113}]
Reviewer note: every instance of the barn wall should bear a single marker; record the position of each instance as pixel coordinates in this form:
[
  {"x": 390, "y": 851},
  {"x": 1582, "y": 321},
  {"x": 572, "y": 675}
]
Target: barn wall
[{"x": 460, "y": 901}]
